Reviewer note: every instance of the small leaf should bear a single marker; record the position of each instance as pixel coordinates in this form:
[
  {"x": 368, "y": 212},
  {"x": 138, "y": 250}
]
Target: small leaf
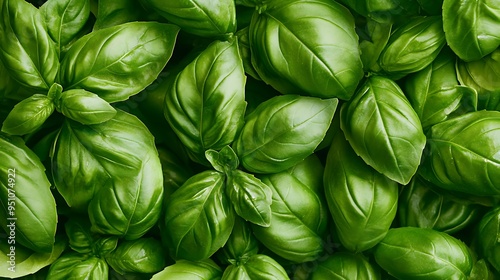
[
  {"x": 251, "y": 198},
  {"x": 84, "y": 107},
  {"x": 224, "y": 161},
  {"x": 28, "y": 115}
]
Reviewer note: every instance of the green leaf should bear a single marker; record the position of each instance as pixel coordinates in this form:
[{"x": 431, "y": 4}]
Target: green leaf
[
  {"x": 362, "y": 201},
  {"x": 383, "y": 129},
  {"x": 28, "y": 115},
  {"x": 115, "y": 12},
  {"x": 84, "y": 107},
  {"x": 345, "y": 265},
  {"x": 422, "y": 205},
  {"x": 206, "y": 103},
  {"x": 120, "y": 61},
  {"x": 435, "y": 93},
  {"x": 65, "y": 19},
  {"x": 26, "y": 48},
  {"x": 190, "y": 270},
  {"x": 113, "y": 169},
  {"x": 291, "y": 52},
  {"x": 482, "y": 75},
  {"x": 413, "y": 46},
  {"x": 256, "y": 267},
  {"x": 241, "y": 244},
  {"x": 198, "y": 217},
  {"x": 26, "y": 201},
  {"x": 299, "y": 213},
  {"x": 488, "y": 237},
  {"x": 378, "y": 35},
  {"x": 73, "y": 266},
  {"x": 224, "y": 161},
  {"x": 383, "y": 11},
  {"x": 251, "y": 198},
  {"x": 284, "y": 137},
  {"x": 79, "y": 235},
  {"x": 204, "y": 18},
  {"x": 27, "y": 261},
  {"x": 462, "y": 154},
  {"x": 417, "y": 253},
  {"x": 471, "y": 27},
  {"x": 143, "y": 255}
]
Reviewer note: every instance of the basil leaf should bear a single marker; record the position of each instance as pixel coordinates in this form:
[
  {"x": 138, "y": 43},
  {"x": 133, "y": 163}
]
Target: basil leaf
[
  {"x": 124, "y": 59},
  {"x": 198, "y": 217},
  {"x": 422, "y": 205},
  {"x": 26, "y": 48},
  {"x": 225, "y": 161},
  {"x": 383, "y": 11},
  {"x": 143, "y": 255},
  {"x": 435, "y": 92},
  {"x": 241, "y": 244},
  {"x": 190, "y": 270},
  {"x": 471, "y": 27},
  {"x": 482, "y": 75},
  {"x": 251, "y": 198},
  {"x": 298, "y": 212},
  {"x": 78, "y": 266},
  {"x": 378, "y": 35},
  {"x": 285, "y": 138},
  {"x": 79, "y": 235},
  {"x": 206, "y": 104},
  {"x": 115, "y": 12},
  {"x": 84, "y": 107},
  {"x": 26, "y": 202},
  {"x": 204, "y": 18},
  {"x": 28, "y": 115},
  {"x": 291, "y": 52},
  {"x": 246, "y": 54},
  {"x": 462, "y": 154},
  {"x": 256, "y": 267},
  {"x": 488, "y": 243},
  {"x": 26, "y": 261},
  {"x": 413, "y": 46},
  {"x": 345, "y": 265},
  {"x": 65, "y": 19},
  {"x": 383, "y": 129},
  {"x": 362, "y": 201},
  {"x": 113, "y": 169},
  {"x": 414, "y": 253}
]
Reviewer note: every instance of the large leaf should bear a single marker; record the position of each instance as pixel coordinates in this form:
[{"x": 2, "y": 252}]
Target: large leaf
[
  {"x": 488, "y": 242},
  {"x": 421, "y": 253},
  {"x": 463, "y": 154},
  {"x": 276, "y": 137},
  {"x": 120, "y": 61},
  {"x": 306, "y": 47},
  {"x": 27, "y": 208},
  {"x": 471, "y": 27},
  {"x": 65, "y": 19},
  {"x": 26, "y": 48},
  {"x": 383, "y": 129},
  {"x": 298, "y": 212},
  {"x": 114, "y": 169},
  {"x": 362, "y": 201},
  {"x": 200, "y": 17},
  {"x": 206, "y": 103},
  {"x": 198, "y": 217}
]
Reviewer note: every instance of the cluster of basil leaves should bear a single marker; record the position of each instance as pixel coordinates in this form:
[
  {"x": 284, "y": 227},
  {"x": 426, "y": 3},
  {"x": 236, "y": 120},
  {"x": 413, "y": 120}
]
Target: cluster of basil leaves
[{"x": 251, "y": 139}]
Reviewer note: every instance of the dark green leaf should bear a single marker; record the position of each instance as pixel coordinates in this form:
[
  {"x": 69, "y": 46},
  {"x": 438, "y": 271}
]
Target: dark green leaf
[
  {"x": 28, "y": 115},
  {"x": 143, "y": 255}
]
